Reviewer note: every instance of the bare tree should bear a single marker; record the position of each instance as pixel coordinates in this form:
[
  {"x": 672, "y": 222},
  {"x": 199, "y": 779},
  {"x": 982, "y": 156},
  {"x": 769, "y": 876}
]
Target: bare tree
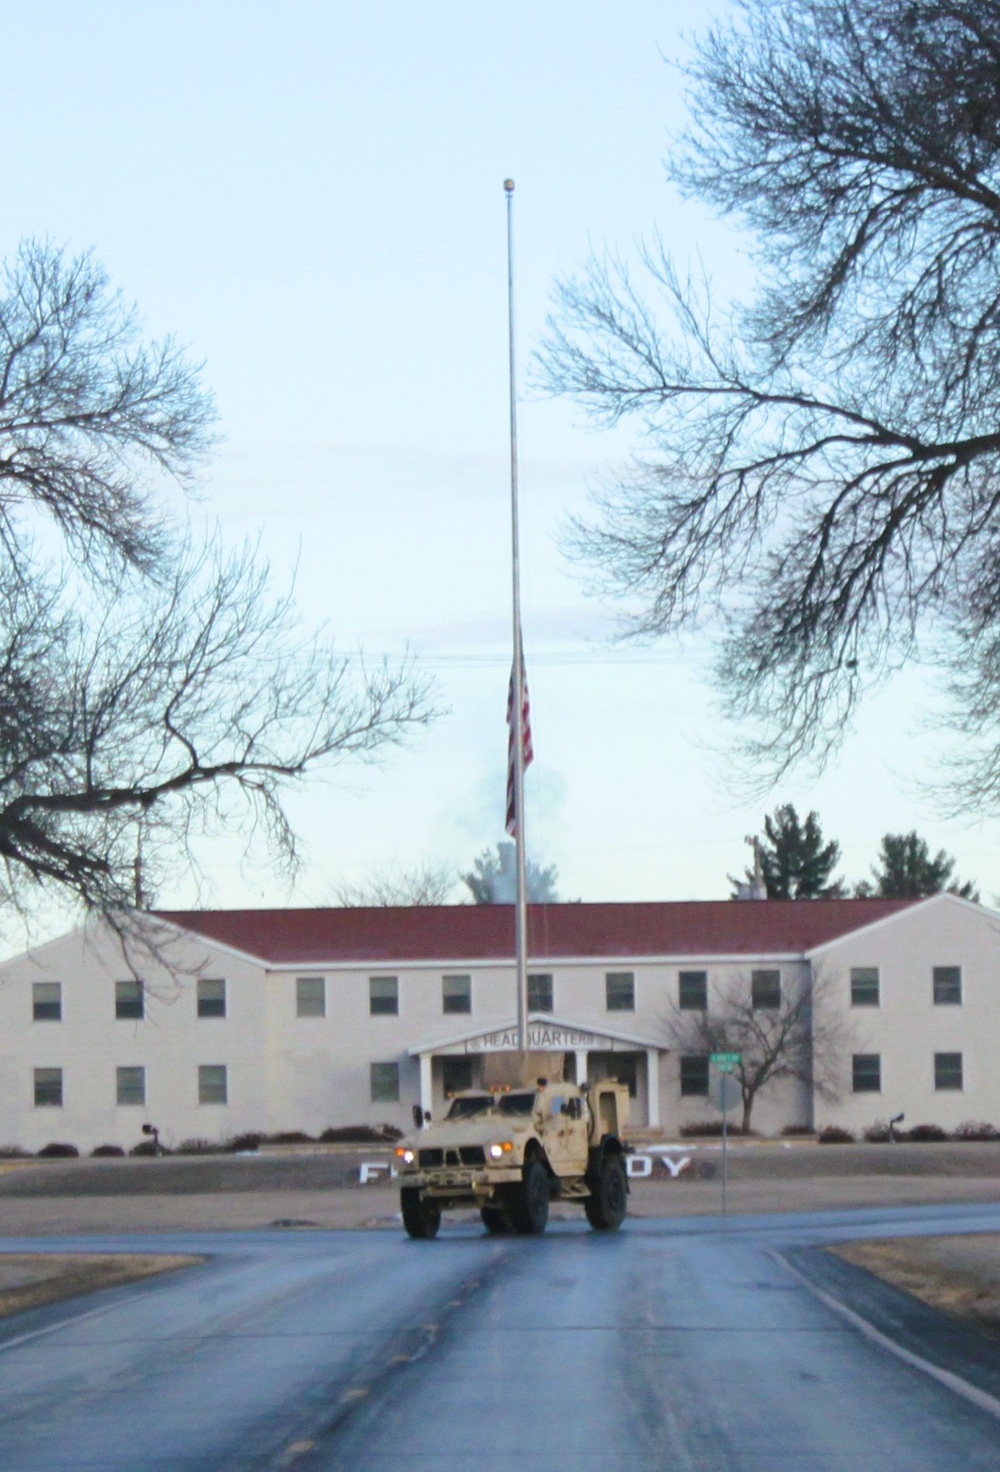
[
  {"x": 185, "y": 709},
  {"x": 151, "y": 690},
  {"x": 820, "y": 466},
  {"x": 422, "y": 883},
  {"x": 788, "y": 1032},
  {"x": 90, "y": 414}
]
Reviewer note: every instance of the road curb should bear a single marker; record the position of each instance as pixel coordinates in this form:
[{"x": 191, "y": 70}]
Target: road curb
[{"x": 960, "y": 1353}]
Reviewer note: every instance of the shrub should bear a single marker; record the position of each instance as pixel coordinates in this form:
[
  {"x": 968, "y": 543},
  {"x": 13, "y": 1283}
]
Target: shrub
[
  {"x": 923, "y": 1134},
  {"x": 360, "y": 1134},
  {"x": 710, "y": 1128},
  {"x": 148, "y": 1147},
  {"x": 976, "y": 1129},
  {"x": 834, "y": 1135},
  {"x": 244, "y": 1142},
  {"x": 289, "y": 1137},
  {"x": 14, "y": 1152},
  {"x": 798, "y": 1129},
  {"x": 198, "y": 1146},
  {"x": 103, "y": 1150},
  {"x": 56, "y": 1151},
  {"x": 877, "y": 1133}
]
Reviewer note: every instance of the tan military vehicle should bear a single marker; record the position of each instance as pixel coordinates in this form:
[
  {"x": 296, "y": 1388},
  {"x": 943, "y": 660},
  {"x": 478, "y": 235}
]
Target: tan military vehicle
[{"x": 512, "y": 1149}]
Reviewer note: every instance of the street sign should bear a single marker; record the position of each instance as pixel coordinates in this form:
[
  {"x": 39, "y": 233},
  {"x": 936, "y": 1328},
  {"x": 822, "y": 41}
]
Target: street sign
[{"x": 725, "y": 1062}]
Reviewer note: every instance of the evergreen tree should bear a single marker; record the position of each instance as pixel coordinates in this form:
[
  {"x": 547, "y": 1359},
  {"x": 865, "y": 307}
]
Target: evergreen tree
[
  {"x": 907, "y": 871},
  {"x": 795, "y": 862},
  {"x": 493, "y": 880}
]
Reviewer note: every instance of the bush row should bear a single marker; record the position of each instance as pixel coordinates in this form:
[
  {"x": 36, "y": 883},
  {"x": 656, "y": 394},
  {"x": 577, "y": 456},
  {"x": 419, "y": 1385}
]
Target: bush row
[
  {"x": 353, "y": 1134},
  {"x": 920, "y": 1134}
]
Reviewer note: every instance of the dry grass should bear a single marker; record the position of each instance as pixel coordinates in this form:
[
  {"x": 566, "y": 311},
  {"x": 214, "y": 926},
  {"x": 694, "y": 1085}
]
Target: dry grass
[
  {"x": 958, "y": 1274},
  {"x": 32, "y": 1279}
]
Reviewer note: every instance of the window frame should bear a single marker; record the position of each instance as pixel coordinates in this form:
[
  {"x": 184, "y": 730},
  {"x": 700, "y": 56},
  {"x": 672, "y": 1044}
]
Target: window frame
[
  {"x": 536, "y": 979},
  {"x": 860, "y": 1080},
  {"x": 203, "y": 1002},
  {"x": 690, "y": 980},
  {"x": 54, "y": 1080},
  {"x": 120, "y": 1073},
  {"x": 692, "y": 1087},
  {"x": 389, "y": 1093},
  {"x": 462, "y": 995},
  {"x": 941, "y": 1073},
  {"x": 942, "y": 984},
  {"x": 314, "y": 1005},
  {"x": 130, "y": 1004},
  {"x": 204, "y": 1088},
  {"x": 625, "y": 982},
  {"x": 861, "y": 978},
  {"x": 386, "y": 1003},
  {"x": 37, "y": 1015},
  {"x": 757, "y": 985}
]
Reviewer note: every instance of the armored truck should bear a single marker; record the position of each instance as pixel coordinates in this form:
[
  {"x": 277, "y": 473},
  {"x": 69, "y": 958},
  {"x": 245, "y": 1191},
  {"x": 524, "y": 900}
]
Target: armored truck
[{"x": 511, "y": 1150}]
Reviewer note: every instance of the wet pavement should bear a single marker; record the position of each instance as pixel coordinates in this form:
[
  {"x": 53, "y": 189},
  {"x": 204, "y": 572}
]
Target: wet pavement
[{"x": 683, "y": 1344}]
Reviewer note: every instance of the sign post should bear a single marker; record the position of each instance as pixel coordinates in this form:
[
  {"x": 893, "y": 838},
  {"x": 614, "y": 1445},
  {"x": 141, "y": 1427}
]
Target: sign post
[{"x": 726, "y": 1063}]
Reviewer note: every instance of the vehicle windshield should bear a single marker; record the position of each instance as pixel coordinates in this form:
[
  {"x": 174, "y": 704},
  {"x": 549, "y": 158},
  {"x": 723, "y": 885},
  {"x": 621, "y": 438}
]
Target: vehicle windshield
[
  {"x": 515, "y": 1103},
  {"x": 462, "y": 1107}
]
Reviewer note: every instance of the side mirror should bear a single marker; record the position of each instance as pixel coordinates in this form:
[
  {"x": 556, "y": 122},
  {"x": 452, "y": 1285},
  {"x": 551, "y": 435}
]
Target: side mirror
[
  {"x": 418, "y": 1117},
  {"x": 427, "y": 1116}
]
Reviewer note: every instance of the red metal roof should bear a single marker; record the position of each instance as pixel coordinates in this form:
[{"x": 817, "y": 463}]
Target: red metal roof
[{"x": 486, "y": 932}]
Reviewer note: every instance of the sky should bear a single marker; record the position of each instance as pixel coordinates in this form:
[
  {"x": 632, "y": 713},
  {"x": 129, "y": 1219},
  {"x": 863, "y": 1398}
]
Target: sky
[{"x": 310, "y": 196}]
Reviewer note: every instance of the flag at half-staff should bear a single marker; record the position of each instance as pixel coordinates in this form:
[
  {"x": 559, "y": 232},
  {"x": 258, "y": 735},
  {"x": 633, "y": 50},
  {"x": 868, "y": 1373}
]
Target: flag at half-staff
[{"x": 526, "y": 749}]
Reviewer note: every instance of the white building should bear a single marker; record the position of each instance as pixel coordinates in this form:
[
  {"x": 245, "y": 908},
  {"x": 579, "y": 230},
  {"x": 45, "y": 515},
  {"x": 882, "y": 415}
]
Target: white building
[{"x": 273, "y": 1020}]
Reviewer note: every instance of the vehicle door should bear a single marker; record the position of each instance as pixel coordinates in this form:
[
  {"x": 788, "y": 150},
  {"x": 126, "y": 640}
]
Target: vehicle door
[{"x": 565, "y": 1132}]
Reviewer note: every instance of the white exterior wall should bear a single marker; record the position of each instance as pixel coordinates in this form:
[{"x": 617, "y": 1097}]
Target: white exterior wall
[
  {"x": 785, "y": 1102},
  {"x": 907, "y": 1028},
  {"x": 302, "y": 1073},
  {"x": 89, "y": 1043}
]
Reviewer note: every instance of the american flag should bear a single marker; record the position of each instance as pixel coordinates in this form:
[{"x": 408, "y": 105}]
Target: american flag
[{"x": 525, "y": 746}]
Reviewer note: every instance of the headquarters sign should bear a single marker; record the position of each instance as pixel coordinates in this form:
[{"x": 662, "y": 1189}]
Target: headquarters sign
[{"x": 541, "y": 1036}]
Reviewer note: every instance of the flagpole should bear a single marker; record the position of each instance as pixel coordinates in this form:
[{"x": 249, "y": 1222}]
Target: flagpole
[{"x": 521, "y": 905}]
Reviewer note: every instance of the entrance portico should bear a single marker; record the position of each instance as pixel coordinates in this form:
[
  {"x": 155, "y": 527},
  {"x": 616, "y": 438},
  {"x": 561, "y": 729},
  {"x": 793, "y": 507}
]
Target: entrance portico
[{"x": 556, "y": 1047}]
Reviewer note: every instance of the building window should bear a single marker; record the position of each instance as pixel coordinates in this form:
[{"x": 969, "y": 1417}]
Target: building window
[
  {"x": 46, "y": 1001},
  {"x": 48, "y": 1087},
  {"x": 385, "y": 1083},
  {"x": 130, "y": 1085},
  {"x": 864, "y": 986},
  {"x": 383, "y": 996},
  {"x": 456, "y": 993},
  {"x": 211, "y": 996},
  {"x": 692, "y": 991},
  {"x": 947, "y": 1070},
  {"x": 129, "y": 1001},
  {"x": 619, "y": 990},
  {"x": 541, "y": 993},
  {"x": 866, "y": 1073},
  {"x": 765, "y": 990},
  {"x": 310, "y": 996},
  {"x": 947, "y": 986},
  {"x": 694, "y": 1075},
  {"x": 456, "y": 1074},
  {"x": 213, "y": 1086}
]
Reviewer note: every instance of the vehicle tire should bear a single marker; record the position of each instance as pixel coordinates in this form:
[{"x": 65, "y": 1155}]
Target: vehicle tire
[
  {"x": 420, "y": 1218},
  {"x": 496, "y": 1220},
  {"x": 530, "y": 1200},
  {"x": 608, "y": 1201}
]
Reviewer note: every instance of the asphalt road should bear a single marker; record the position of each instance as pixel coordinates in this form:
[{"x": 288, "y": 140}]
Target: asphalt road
[{"x": 677, "y": 1344}]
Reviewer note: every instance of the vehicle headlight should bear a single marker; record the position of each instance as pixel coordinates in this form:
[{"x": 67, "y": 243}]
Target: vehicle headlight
[
  {"x": 497, "y": 1152},
  {"x": 406, "y": 1155}
]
